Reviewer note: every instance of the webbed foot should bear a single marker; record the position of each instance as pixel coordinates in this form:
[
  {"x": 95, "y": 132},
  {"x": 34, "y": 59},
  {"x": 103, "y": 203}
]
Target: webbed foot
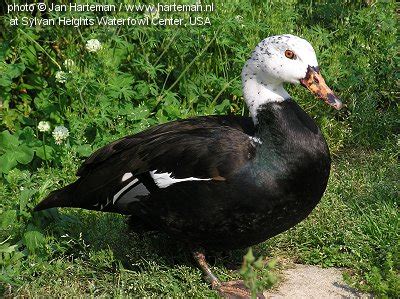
[{"x": 235, "y": 289}]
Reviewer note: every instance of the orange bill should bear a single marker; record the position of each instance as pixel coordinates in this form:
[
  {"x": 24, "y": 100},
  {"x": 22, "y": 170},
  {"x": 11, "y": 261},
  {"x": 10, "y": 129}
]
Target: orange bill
[{"x": 315, "y": 83}]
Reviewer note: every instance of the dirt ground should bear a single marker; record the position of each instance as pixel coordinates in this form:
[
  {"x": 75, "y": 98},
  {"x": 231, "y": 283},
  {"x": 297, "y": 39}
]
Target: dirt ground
[{"x": 303, "y": 281}]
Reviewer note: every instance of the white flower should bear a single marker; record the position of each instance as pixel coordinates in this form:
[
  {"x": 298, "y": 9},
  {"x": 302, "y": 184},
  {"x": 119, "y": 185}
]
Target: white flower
[
  {"x": 61, "y": 76},
  {"x": 69, "y": 64},
  {"x": 152, "y": 12},
  {"x": 60, "y": 133},
  {"x": 44, "y": 126},
  {"x": 93, "y": 45}
]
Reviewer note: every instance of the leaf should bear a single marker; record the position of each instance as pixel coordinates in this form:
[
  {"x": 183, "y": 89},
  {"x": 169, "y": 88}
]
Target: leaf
[
  {"x": 84, "y": 150},
  {"x": 5, "y": 49},
  {"x": 33, "y": 240},
  {"x": 24, "y": 155},
  {"x": 8, "y": 72},
  {"x": 125, "y": 109},
  {"x": 36, "y": 81},
  {"x": 15, "y": 70},
  {"x": 258, "y": 264},
  {"x": 27, "y": 136},
  {"x": 223, "y": 107},
  {"x": 7, "y": 162},
  {"x": 40, "y": 152},
  {"x": 121, "y": 87},
  {"x": 7, "y": 248},
  {"x": 8, "y": 141},
  {"x": 142, "y": 90},
  {"x": 42, "y": 100},
  {"x": 29, "y": 55},
  {"x": 24, "y": 198},
  {"x": 5, "y": 81},
  {"x": 249, "y": 257},
  {"x": 139, "y": 113}
]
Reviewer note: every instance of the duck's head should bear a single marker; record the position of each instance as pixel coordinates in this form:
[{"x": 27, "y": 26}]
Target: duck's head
[{"x": 286, "y": 58}]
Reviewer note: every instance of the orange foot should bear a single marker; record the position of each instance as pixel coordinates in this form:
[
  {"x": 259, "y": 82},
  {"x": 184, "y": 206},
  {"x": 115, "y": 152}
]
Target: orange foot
[{"x": 235, "y": 290}]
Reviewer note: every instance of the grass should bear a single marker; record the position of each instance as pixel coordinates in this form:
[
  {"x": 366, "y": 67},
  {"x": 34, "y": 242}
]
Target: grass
[{"x": 148, "y": 75}]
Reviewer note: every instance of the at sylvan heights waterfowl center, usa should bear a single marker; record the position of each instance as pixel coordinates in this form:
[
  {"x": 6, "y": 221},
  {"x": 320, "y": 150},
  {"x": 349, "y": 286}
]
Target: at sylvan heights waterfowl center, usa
[{"x": 205, "y": 149}]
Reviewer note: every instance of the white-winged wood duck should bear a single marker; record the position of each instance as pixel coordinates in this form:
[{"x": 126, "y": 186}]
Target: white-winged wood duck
[{"x": 220, "y": 182}]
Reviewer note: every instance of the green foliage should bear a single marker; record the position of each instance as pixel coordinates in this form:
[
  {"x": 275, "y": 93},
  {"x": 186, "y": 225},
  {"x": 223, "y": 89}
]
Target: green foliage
[
  {"x": 143, "y": 76},
  {"x": 13, "y": 152},
  {"x": 257, "y": 275}
]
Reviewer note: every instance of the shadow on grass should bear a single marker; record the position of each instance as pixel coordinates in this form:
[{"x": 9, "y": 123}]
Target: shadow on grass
[{"x": 107, "y": 231}]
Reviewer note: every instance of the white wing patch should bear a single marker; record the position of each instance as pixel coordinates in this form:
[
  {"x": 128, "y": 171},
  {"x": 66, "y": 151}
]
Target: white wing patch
[
  {"x": 163, "y": 180},
  {"x": 126, "y": 176},
  {"x": 255, "y": 139},
  {"x": 118, "y": 194}
]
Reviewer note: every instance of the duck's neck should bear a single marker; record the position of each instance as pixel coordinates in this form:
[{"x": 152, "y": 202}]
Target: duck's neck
[{"x": 259, "y": 89}]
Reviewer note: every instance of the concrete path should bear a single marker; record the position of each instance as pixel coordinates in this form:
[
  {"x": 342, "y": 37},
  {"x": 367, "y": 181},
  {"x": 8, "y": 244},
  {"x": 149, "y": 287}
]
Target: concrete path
[{"x": 305, "y": 281}]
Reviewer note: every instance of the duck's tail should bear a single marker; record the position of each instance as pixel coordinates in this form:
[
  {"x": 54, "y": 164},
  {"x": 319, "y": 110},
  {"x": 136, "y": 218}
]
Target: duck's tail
[{"x": 58, "y": 198}]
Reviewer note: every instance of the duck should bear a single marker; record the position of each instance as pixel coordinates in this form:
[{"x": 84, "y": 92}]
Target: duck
[{"x": 220, "y": 182}]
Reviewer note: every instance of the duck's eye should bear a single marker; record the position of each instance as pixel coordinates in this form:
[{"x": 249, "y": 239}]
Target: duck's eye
[{"x": 290, "y": 54}]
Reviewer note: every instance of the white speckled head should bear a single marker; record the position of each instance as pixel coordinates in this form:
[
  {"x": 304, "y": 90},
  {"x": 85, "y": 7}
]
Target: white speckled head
[
  {"x": 272, "y": 59},
  {"x": 275, "y": 60}
]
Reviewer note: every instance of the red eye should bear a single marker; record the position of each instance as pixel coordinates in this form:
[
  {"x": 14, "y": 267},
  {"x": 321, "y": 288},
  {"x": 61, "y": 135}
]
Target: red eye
[{"x": 290, "y": 54}]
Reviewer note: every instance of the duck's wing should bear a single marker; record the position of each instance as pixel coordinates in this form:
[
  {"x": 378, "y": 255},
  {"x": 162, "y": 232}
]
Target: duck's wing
[
  {"x": 180, "y": 127},
  {"x": 198, "y": 149}
]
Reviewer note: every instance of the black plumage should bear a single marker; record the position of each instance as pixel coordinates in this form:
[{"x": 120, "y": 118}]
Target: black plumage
[{"x": 261, "y": 180}]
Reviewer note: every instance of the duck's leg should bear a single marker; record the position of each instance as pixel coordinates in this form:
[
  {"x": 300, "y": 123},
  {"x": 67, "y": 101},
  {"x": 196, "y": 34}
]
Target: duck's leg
[{"x": 231, "y": 289}]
